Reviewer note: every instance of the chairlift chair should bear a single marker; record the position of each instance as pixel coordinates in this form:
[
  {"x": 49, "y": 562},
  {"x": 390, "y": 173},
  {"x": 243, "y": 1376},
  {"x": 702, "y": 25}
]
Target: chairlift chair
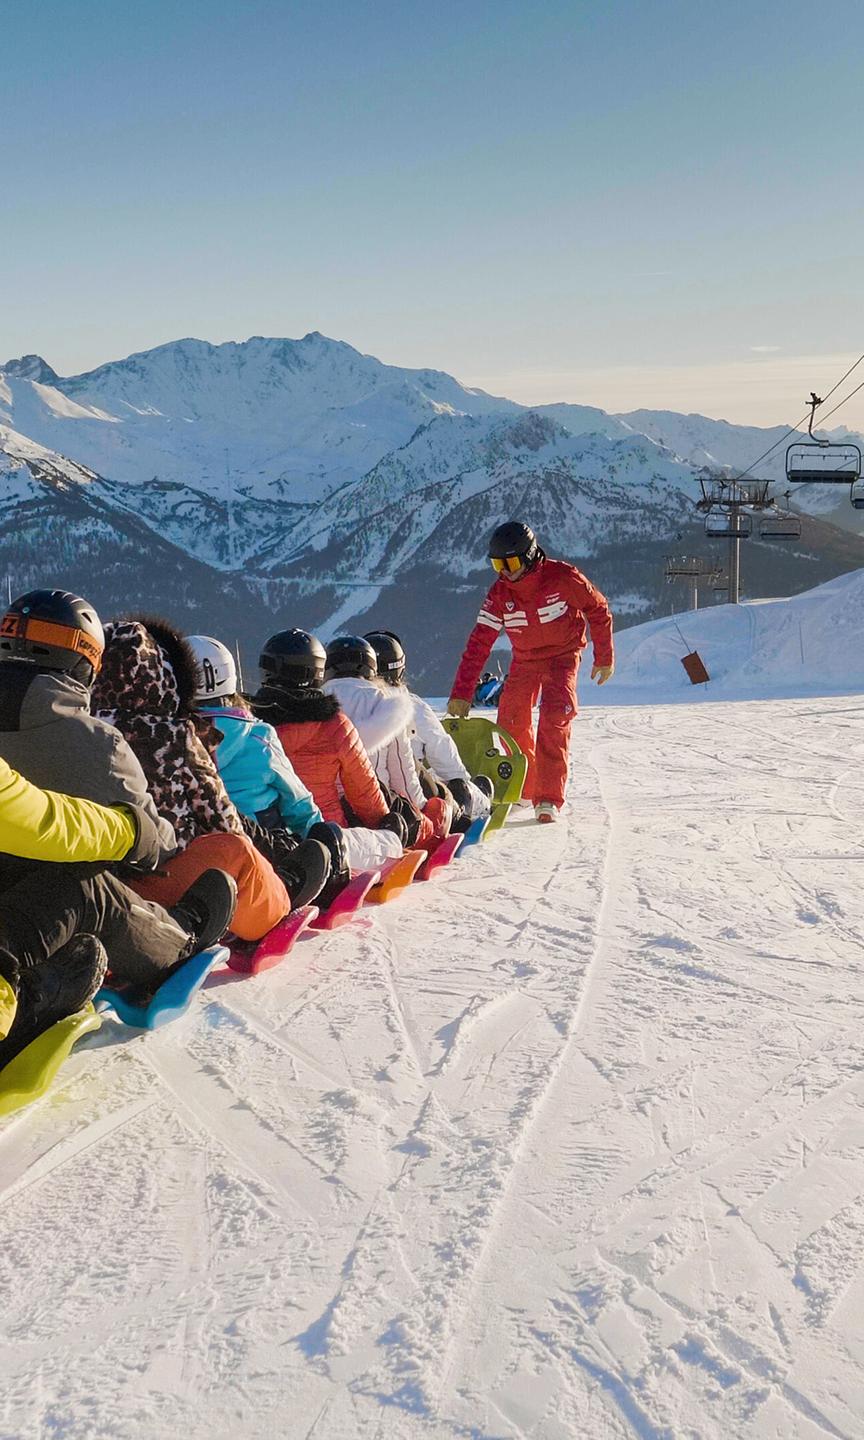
[
  {"x": 782, "y": 527},
  {"x": 724, "y": 525},
  {"x": 822, "y": 463},
  {"x": 856, "y": 494}
]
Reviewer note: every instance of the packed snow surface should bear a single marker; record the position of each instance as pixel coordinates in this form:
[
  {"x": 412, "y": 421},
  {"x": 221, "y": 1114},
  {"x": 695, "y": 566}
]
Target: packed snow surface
[
  {"x": 811, "y": 643},
  {"x": 569, "y": 1143}
]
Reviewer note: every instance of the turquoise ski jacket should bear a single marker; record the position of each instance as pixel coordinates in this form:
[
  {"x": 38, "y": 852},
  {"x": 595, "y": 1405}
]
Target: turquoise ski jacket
[{"x": 257, "y": 773}]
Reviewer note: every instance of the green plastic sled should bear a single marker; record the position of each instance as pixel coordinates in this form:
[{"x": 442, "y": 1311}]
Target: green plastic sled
[
  {"x": 486, "y": 749},
  {"x": 31, "y": 1074},
  {"x": 497, "y": 819}
]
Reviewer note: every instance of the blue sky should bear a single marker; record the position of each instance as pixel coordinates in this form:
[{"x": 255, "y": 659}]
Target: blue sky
[{"x": 619, "y": 203}]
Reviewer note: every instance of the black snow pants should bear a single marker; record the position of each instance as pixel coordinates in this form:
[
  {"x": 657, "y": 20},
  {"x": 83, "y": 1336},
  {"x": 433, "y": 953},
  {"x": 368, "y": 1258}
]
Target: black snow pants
[{"x": 42, "y": 906}]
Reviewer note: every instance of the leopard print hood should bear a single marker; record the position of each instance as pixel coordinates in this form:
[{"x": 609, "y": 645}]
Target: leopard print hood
[{"x": 146, "y": 689}]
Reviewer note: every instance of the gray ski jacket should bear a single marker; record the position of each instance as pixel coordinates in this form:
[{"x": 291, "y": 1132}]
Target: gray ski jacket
[{"x": 49, "y": 736}]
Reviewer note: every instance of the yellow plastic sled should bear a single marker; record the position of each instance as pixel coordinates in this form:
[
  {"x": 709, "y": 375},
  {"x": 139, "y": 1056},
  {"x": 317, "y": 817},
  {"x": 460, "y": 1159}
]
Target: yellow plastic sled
[{"x": 30, "y": 1074}]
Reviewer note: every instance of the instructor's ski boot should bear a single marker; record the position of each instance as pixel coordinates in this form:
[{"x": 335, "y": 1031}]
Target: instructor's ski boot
[{"x": 545, "y": 813}]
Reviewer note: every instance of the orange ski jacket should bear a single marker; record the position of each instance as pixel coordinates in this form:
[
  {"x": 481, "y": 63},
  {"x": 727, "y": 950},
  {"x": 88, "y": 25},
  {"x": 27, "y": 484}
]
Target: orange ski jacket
[
  {"x": 544, "y": 615},
  {"x": 329, "y": 757}
]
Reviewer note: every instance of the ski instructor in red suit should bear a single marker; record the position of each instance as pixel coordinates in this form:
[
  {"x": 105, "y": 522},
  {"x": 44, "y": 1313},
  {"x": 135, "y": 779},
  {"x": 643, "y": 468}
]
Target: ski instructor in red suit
[{"x": 543, "y": 605}]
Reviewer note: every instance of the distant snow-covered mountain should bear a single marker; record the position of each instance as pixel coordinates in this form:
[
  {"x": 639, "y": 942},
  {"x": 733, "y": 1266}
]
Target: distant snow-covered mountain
[
  {"x": 301, "y": 482},
  {"x": 717, "y": 445}
]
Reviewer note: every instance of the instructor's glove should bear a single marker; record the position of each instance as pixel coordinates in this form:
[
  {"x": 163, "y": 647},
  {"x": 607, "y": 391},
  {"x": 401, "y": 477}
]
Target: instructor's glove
[
  {"x": 602, "y": 673},
  {"x": 459, "y": 708},
  {"x": 146, "y": 852}
]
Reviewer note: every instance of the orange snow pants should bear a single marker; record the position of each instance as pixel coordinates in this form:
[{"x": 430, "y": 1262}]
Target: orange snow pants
[
  {"x": 262, "y": 899},
  {"x": 554, "y": 680}
]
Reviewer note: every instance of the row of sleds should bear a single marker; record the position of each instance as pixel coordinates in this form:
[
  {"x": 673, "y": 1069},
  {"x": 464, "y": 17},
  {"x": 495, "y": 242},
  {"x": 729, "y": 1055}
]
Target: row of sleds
[{"x": 485, "y": 749}]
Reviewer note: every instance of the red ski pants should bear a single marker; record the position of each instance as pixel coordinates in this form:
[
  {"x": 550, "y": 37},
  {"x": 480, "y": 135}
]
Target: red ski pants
[
  {"x": 262, "y": 899},
  {"x": 554, "y": 680}
]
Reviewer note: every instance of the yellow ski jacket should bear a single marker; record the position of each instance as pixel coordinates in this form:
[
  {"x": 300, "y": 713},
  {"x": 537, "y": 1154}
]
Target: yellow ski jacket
[{"x": 41, "y": 825}]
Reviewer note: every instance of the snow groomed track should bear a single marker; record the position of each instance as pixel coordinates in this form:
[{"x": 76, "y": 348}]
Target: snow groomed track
[{"x": 569, "y": 1144}]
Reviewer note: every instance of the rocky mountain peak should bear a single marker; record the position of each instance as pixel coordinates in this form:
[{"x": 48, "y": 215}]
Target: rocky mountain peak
[{"x": 31, "y": 367}]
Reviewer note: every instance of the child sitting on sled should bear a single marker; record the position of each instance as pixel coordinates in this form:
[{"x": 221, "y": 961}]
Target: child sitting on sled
[
  {"x": 384, "y": 718},
  {"x": 146, "y": 688},
  {"x": 325, "y": 750}
]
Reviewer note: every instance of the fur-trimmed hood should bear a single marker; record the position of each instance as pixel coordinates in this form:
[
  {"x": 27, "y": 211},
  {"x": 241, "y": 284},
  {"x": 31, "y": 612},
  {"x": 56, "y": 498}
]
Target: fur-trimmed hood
[
  {"x": 293, "y": 707},
  {"x": 146, "y": 688},
  {"x": 147, "y": 668},
  {"x": 380, "y": 712}
]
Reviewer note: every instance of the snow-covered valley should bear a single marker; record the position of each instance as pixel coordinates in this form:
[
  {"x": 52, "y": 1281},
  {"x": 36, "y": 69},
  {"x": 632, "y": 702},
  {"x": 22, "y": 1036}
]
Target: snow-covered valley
[{"x": 570, "y": 1143}]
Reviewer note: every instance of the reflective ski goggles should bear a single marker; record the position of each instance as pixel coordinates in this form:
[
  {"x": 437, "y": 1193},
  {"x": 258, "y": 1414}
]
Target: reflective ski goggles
[{"x": 511, "y": 563}]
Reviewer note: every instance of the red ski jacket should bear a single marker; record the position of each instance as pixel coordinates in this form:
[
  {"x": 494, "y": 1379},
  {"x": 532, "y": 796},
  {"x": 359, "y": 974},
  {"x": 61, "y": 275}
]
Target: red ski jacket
[{"x": 544, "y": 615}]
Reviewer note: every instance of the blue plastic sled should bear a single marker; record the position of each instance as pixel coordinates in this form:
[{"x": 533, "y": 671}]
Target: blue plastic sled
[
  {"x": 473, "y": 835},
  {"x": 173, "y": 997}
]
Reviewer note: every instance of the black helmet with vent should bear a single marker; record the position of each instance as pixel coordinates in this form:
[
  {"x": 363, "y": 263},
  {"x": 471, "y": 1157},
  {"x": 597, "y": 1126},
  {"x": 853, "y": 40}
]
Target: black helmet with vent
[
  {"x": 389, "y": 654},
  {"x": 514, "y": 538},
  {"x": 350, "y": 655},
  {"x": 293, "y": 660}
]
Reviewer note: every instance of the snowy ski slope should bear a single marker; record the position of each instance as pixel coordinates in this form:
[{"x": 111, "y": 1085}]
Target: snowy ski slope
[
  {"x": 807, "y": 644},
  {"x": 569, "y": 1144}
]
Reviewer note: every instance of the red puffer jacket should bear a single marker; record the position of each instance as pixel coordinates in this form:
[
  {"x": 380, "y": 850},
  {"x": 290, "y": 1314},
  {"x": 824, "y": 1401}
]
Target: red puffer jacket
[
  {"x": 544, "y": 615},
  {"x": 326, "y": 752}
]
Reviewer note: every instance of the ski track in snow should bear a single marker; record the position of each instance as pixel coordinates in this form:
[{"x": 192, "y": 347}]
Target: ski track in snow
[{"x": 568, "y": 1143}]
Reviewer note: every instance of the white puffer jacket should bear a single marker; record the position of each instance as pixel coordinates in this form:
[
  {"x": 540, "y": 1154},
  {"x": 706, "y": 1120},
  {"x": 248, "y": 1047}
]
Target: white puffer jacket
[
  {"x": 384, "y": 718},
  {"x": 434, "y": 749}
]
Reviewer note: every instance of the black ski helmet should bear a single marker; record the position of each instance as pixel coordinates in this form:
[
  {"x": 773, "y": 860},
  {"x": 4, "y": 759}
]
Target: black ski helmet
[
  {"x": 293, "y": 660},
  {"x": 54, "y": 630},
  {"x": 514, "y": 537},
  {"x": 350, "y": 655},
  {"x": 389, "y": 654}
]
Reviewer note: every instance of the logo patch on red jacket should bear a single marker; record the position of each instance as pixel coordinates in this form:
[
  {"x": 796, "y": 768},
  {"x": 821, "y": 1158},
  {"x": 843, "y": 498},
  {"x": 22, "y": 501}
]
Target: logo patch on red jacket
[{"x": 509, "y": 604}]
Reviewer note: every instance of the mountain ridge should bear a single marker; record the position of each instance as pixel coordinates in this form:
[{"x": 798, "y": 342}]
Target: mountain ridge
[{"x": 322, "y": 487}]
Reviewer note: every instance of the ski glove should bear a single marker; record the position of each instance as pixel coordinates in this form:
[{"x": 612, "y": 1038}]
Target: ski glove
[
  {"x": 602, "y": 673},
  {"x": 146, "y": 852},
  {"x": 459, "y": 708}
]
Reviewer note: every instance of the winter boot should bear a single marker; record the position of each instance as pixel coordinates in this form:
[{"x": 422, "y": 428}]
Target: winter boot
[
  {"x": 331, "y": 837},
  {"x": 57, "y": 987},
  {"x": 306, "y": 872},
  {"x": 9, "y": 976},
  {"x": 545, "y": 813},
  {"x": 462, "y": 796},
  {"x": 483, "y": 783},
  {"x": 205, "y": 910}
]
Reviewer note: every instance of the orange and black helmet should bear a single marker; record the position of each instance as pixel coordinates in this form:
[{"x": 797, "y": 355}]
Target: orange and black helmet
[{"x": 53, "y": 630}]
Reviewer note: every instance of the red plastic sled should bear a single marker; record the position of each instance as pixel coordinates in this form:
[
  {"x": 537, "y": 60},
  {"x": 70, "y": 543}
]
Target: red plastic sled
[
  {"x": 396, "y": 876},
  {"x": 348, "y": 901},
  {"x": 441, "y": 856},
  {"x": 276, "y": 944}
]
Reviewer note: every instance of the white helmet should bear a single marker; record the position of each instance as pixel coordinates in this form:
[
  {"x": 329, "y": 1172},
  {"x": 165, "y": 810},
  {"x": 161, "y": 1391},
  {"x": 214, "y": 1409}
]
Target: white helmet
[{"x": 217, "y": 673}]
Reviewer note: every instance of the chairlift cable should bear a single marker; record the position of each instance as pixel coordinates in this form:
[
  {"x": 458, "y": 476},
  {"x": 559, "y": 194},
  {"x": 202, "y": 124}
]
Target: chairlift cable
[
  {"x": 843, "y": 402},
  {"x": 799, "y": 423}
]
